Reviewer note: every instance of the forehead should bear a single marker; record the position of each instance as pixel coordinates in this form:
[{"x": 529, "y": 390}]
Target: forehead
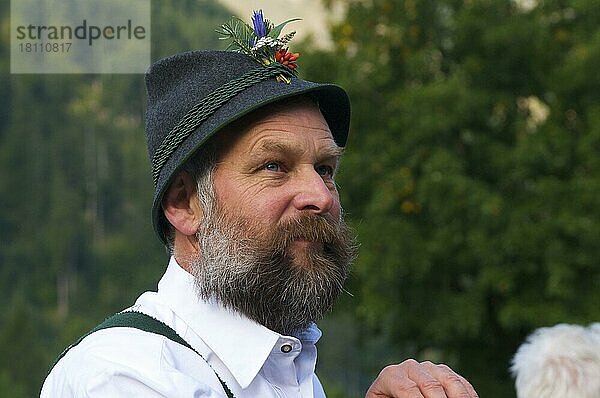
[{"x": 297, "y": 123}]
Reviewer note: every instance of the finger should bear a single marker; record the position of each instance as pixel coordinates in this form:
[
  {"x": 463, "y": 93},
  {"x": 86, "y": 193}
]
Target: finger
[
  {"x": 453, "y": 383},
  {"x": 428, "y": 385},
  {"x": 393, "y": 382},
  {"x": 469, "y": 387}
]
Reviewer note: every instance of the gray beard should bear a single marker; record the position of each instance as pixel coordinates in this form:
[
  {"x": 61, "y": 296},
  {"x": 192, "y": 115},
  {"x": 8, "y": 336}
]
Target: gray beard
[{"x": 256, "y": 272}]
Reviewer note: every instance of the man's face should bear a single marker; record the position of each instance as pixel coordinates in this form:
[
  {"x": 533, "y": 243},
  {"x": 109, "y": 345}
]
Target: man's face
[
  {"x": 281, "y": 167},
  {"x": 273, "y": 244}
]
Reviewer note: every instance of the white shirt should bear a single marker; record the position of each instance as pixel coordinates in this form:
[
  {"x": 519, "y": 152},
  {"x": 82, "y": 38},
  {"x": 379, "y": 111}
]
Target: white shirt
[{"x": 124, "y": 362}]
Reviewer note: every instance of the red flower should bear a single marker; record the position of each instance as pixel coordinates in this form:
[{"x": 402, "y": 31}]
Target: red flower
[{"x": 287, "y": 59}]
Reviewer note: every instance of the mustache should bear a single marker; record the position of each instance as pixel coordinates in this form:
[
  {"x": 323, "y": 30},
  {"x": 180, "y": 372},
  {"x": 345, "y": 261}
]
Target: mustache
[
  {"x": 311, "y": 227},
  {"x": 335, "y": 236}
]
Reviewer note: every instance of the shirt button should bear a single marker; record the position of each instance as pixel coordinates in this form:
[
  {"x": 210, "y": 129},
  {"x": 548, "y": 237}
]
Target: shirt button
[{"x": 286, "y": 348}]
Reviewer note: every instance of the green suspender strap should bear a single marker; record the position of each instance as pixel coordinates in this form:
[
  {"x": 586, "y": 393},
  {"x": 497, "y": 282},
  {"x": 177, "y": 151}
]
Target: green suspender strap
[{"x": 141, "y": 321}]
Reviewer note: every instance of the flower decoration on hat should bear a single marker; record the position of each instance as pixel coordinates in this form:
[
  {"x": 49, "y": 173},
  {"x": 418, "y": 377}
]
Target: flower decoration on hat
[{"x": 261, "y": 41}]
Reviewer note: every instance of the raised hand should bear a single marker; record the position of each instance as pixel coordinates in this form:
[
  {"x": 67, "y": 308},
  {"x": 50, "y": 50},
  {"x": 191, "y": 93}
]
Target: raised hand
[{"x": 412, "y": 379}]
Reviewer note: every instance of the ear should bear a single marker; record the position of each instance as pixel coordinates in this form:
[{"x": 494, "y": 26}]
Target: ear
[{"x": 181, "y": 205}]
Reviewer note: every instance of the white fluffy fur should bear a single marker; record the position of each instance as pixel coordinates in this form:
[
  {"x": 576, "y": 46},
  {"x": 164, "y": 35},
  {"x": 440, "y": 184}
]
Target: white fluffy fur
[{"x": 562, "y": 361}]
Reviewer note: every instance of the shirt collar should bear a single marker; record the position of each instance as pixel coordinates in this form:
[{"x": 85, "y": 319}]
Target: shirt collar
[{"x": 242, "y": 344}]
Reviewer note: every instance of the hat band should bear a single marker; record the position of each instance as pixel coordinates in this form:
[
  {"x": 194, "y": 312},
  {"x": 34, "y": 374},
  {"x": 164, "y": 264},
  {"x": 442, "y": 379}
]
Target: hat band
[{"x": 205, "y": 108}]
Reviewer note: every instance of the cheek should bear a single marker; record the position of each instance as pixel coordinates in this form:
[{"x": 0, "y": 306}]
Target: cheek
[
  {"x": 230, "y": 189},
  {"x": 252, "y": 201},
  {"x": 271, "y": 205}
]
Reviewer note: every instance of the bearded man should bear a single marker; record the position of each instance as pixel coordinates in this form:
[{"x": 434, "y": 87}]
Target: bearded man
[{"x": 244, "y": 159}]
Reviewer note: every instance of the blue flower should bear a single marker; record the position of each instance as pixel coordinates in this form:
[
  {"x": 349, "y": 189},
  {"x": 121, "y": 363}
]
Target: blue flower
[{"x": 259, "y": 24}]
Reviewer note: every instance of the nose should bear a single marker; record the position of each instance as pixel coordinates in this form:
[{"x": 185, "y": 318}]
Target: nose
[{"x": 313, "y": 194}]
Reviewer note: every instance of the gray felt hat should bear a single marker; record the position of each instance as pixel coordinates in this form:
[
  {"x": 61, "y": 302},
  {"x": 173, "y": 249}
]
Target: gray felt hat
[{"x": 193, "y": 95}]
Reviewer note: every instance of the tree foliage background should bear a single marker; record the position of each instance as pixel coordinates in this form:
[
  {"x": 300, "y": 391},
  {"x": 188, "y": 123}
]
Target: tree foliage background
[{"x": 472, "y": 178}]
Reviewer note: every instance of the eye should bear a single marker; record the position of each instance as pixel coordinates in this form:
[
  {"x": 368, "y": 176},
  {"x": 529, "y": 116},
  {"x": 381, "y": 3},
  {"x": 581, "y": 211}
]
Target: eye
[
  {"x": 324, "y": 170},
  {"x": 272, "y": 166}
]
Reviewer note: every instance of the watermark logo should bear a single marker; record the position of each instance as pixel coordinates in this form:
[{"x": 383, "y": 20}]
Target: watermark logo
[{"x": 80, "y": 36}]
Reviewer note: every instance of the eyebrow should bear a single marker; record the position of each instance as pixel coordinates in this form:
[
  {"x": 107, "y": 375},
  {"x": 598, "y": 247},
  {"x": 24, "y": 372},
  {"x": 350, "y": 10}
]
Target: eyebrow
[{"x": 332, "y": 151}]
